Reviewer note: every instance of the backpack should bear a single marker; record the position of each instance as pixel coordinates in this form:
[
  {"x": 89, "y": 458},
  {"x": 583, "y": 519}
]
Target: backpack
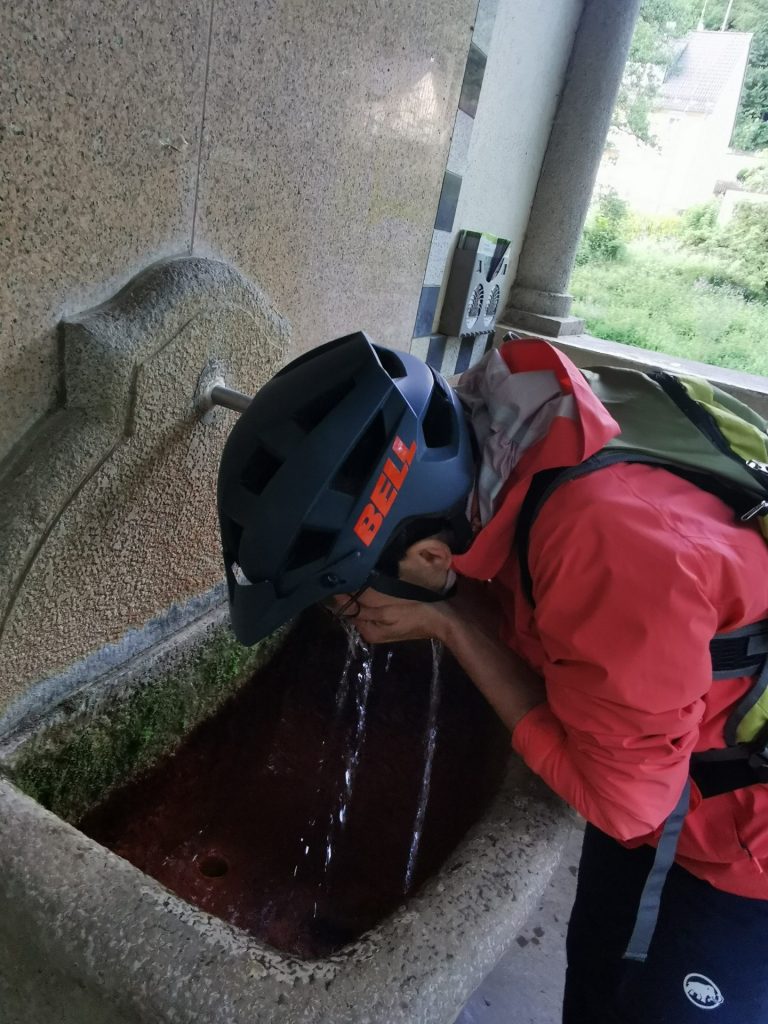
[{"x": 693, "y": 429}]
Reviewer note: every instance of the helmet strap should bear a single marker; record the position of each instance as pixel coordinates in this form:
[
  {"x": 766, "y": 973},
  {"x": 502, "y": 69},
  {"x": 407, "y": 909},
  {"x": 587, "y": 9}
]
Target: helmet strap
[{"x": 407, "y": 591}]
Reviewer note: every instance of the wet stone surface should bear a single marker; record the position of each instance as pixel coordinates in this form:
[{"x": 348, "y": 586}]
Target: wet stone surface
[{"x": 287, "y": 817}]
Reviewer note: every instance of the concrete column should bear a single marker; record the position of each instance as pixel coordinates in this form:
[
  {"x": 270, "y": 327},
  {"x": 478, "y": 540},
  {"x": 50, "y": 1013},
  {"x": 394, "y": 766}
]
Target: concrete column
[{"x": 538, "y": 300}]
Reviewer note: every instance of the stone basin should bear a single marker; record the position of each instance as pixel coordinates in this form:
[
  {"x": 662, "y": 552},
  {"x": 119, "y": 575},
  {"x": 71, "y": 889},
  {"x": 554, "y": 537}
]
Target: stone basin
[{"x": 85, "y": 936}]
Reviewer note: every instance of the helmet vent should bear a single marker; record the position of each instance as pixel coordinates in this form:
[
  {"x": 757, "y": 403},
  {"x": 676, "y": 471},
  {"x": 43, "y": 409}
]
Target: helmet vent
[
  {"x": 310, "y": 546},
  {"x": 360, "y": 464},
  {"x": 391, "y": 363},
  {"x": 439, "y": 420},
  {"x": 259, "y": 470},
  {"x": 313, "y": 412}
]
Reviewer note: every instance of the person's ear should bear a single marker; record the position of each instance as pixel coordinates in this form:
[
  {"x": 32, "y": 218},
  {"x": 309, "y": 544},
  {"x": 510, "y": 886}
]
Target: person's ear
[{"x": 431, "y": 553}]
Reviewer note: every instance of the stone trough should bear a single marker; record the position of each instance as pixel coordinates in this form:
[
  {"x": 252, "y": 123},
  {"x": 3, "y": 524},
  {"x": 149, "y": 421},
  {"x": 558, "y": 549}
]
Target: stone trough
[{"x": 86, "y": 937}]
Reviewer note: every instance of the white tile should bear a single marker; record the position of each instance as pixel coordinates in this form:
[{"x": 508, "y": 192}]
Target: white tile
[
  {"x": 438, "y": 258},
  {"x": 420, "y": 347},
  {"x": 458, "y": 155},
  {"x": 484, "y": 22}
]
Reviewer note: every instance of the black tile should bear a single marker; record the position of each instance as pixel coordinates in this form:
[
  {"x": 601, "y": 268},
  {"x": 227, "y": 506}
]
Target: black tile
[
  {"x": 436, "y": 351},
  {"x": 473, "y": 81},
  {"x": 426, "y": 314},
  {"x": 449, "y": 199},
  {"x": 465, "y": 354}
]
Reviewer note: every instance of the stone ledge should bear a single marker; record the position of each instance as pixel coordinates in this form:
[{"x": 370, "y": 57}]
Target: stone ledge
[{"x": 586, "y": 350}]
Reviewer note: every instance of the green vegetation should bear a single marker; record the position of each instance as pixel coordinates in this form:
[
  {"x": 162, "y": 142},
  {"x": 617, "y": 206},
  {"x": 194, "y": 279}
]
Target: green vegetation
[
  {"x": 751, "y": 130},
  {"x": 606, "y": 231},
  {"x": 74, "y": 763},
  {"x": 682, "y": 286},
  {"x": 660, "y": 23},
  {"x": 755, "y": 179}
]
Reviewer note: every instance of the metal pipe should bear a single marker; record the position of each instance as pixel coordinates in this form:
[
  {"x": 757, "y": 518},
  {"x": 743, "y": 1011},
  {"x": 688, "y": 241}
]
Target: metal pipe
[{"x": 230, "y": 399}]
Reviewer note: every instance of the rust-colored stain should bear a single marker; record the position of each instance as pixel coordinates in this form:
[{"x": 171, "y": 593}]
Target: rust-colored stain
[{"x": 238, "y": 823}]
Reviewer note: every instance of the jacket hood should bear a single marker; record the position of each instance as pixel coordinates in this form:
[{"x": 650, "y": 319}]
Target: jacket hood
[{"x": 530, "y": 409}]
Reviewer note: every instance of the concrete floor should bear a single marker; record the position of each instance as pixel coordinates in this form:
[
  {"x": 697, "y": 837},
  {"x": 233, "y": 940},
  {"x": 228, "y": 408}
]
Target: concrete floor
[{"x": 526, "y": 986}]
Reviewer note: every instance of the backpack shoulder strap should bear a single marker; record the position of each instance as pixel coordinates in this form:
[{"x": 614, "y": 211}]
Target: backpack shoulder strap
[{"x": 546, "y": 482}]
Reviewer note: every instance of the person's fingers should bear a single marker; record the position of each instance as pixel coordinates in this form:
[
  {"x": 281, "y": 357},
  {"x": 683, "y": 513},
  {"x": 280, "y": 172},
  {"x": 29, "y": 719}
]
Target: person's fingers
[
  {"x": 378, "y": 618},
  {"x": 375, "y": 633}
]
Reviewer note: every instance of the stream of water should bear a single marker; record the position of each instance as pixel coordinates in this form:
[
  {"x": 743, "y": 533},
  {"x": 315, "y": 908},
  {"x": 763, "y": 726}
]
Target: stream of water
[
  {"x": 429, "y": 758},
  {"x": 357, "y": 651},
  {"x": 360, "y": 655},
  {"x": 358, "y": 666}
]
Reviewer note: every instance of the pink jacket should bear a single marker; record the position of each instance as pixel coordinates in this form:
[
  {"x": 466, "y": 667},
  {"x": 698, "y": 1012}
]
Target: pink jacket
[{"x": 634, "y": 570}]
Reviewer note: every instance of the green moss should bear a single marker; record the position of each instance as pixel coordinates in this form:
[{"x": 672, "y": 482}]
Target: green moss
[{"x": 72, "y": 764}]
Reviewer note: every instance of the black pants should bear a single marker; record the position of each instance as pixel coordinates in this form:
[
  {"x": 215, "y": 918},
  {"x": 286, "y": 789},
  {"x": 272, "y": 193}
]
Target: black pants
[{"x": 709, "y": 952}]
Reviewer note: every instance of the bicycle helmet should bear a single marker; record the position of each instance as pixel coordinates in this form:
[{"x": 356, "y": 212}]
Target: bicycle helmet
[{"x": 336, "y": 452}]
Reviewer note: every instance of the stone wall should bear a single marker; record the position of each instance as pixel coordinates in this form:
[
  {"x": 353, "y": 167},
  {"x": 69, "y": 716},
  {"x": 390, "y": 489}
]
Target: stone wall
[
  {"x": 304, "y": 142},
  {"x": 109, "y": 511},
  {"x": 211, "y": 172},
  {"x": 154, "y": 148}
]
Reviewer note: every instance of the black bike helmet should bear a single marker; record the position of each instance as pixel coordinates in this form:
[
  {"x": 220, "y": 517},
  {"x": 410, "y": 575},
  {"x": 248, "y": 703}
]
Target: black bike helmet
[{"x": 338, "y": 450}]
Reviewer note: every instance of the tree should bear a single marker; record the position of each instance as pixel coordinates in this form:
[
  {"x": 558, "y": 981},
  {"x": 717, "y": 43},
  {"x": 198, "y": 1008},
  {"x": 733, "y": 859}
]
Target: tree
[
  {"x": 751, "y": 131},
  {"x": 743, "y": 246},
  {"x": 606, "y": 231},
  {"x": 659, "y": 24}
]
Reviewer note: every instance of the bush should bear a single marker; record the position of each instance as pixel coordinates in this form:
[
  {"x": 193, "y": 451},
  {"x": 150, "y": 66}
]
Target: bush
[
  {"x": 755, "y": 179},
  {"x": 699, "y": 224},
  {"x": 738, "y": 252},
  {"x": 607, "y": 231},
  {"x": 742, "y": 246}
]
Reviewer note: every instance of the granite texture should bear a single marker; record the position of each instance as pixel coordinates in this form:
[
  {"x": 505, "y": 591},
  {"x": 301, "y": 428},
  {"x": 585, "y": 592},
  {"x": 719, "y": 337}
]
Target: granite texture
[
  {"x": 93, "y": 918},
  {"x": 72, "y": 748},
  {"x": 326, "y": 134},
  {"x": 109, "y": 513},
  {"x": 100, "y": 111}
]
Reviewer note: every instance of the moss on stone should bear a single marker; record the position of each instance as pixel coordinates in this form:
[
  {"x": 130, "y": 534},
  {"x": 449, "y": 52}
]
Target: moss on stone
[{"x": 72, "y": 763}]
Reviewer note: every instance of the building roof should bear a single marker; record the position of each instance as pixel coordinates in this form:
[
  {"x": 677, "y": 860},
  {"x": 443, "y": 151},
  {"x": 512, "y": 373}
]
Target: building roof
[{"x": 706, "y": 65}]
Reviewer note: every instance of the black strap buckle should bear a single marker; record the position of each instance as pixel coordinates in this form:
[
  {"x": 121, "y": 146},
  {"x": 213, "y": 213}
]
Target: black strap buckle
[
  {"x": 761, "y": 509},
  {"x": 758, "y": 760}
]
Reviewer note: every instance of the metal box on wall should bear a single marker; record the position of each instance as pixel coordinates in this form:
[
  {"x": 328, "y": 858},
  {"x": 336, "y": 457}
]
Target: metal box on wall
[{"x": 472, "y": 296}]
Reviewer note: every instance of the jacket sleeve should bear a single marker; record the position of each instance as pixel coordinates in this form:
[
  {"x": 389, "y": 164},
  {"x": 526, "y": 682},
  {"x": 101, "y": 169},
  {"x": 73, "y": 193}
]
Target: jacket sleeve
[{"x": 625, "y": 621}]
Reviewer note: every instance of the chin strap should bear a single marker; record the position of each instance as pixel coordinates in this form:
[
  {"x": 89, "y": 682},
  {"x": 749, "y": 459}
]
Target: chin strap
[{"x": 410, "y": 591}]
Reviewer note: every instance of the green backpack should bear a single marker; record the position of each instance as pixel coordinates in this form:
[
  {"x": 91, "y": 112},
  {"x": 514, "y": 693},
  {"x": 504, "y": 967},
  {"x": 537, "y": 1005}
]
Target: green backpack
[{"x": 693, "y": 429}]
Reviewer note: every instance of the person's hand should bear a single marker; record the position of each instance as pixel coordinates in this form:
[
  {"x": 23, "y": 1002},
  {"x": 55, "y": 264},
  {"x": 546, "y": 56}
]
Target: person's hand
[
  {"x": 382, "y": 619},
  {"x": 467, "y": 625}
]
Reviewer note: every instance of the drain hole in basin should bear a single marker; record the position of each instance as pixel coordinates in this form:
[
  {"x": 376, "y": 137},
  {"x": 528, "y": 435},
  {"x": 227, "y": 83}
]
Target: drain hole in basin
[{"x": 213, "y": 866}]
